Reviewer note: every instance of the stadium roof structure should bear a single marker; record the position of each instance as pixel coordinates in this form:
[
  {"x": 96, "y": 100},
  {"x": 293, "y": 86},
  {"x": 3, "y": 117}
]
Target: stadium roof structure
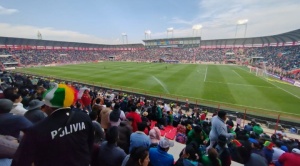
[
  {"x": 288, "y": 38},
  {"x": 37, "y": 42}
]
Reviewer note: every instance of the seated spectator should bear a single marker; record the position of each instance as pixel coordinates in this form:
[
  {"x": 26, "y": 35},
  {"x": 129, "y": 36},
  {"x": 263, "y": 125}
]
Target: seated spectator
[
  {"x": 257, "y": 129},
  {"x": 268, "y": 151},
  {"x": 125, "y": 130},
  {"x": 189, "y": 157},
  {"x": 198, "y": 135},
  {"x": 138, "y": 157},
  {"x": 155, "y": 135},
  {"x": 248, "y": 158},
  {"x": 287, "y": 159},
  {"x": 109, "y": 153},
  {"x": 223, "y": 151},
  {"x": 139, "y": 138},
  {"x": 99, "y": 133},
  {"x": 212, "y": 158},
  {"x": 159, "y": 155},
  {"x": 34, "y": 113},
  {"x": 18, "y": 108},
  {"x": 257, "y": 147},
  {"x": 11, "y": 124},
  {"x": 277, "y": 151}
]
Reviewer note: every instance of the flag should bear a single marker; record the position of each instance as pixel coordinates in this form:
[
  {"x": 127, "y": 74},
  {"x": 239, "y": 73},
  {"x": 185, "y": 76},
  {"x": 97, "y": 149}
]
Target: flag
[{"x": 80, "y": 92}]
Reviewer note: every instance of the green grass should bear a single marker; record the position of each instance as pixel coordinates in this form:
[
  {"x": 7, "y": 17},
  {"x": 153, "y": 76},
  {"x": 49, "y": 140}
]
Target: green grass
[{"x": 230, "y": 86}]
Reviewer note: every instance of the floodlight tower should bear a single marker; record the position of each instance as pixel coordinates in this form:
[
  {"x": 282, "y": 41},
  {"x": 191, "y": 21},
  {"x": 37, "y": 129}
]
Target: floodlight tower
[
  {"x": 196, "y": 28},
  {"x": 124, "y": 38},
  {"x": 39, "y": 35},
  {"x": 170, "y": 30},
  {"x": 241, "y": 22},
  {"x": 147, "y": 34}
]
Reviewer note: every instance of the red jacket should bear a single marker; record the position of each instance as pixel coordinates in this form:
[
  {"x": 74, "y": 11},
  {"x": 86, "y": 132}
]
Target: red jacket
[
  {"x": 289, "y": 159},
  {"x": 136, "y": 119},
  {"x": 86, "y": 100}
]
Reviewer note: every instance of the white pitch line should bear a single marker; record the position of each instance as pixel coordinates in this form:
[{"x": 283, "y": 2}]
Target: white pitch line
[
  {"x": 205, "y": 74},
  {"x": 237, "y": 73},
  {"x": 284, "y": 90},
  {"x": 162, "y": 84},
  {"x": 228, "y": 83},
  {"x": 279, "y": 87},
  {"x": 237, "y": 105}
]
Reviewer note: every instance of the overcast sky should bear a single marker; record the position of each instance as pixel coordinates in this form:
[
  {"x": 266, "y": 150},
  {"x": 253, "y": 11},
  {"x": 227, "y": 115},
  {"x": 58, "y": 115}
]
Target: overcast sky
[{"x": 99, "y": 21}]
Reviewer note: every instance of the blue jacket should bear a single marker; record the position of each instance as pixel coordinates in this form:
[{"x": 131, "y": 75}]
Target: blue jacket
[{"x": 158, "y": 157}]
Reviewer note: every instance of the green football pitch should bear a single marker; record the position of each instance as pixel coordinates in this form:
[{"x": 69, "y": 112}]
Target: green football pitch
[{"x": 232, "y": 87}]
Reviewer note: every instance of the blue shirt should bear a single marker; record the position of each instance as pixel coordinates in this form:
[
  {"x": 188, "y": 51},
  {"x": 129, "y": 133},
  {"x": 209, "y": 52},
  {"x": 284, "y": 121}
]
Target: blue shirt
[
  {"x": 11, "y": 124},
  {"x": 159, "y": 157},
  {"x": 138, "y": 139}
]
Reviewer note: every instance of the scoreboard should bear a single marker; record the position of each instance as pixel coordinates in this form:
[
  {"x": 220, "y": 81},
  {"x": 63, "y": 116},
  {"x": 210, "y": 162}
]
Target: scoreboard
[{"x": 173, "y": 42}]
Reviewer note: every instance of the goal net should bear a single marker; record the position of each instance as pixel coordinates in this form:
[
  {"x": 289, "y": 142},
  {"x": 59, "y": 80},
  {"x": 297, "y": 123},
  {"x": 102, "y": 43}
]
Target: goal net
[{"x": 259, "y": 72}]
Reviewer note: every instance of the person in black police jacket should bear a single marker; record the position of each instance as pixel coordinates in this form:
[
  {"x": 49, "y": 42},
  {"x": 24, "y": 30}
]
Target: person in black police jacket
[{"x": 65, "y": 137}]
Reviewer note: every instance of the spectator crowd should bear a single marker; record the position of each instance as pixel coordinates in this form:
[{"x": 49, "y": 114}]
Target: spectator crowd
[
  {"x": 279, "y": 60},
  {"x": 46, "y": 123}
]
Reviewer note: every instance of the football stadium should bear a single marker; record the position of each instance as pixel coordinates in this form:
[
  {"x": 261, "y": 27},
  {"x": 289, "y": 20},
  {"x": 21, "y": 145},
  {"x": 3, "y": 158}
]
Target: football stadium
[{"x": 164, "y": 100}]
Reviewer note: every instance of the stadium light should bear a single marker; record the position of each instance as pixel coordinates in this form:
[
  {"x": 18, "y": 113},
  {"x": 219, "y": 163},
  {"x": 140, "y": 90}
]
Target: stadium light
[
  {"x": 197, "y": 28},
  {"x": 170, "y": 30},
  {"x": 148, "y": 34},
  {"x": 241, "y": 22},
  {"x": 124, "y": 37}
]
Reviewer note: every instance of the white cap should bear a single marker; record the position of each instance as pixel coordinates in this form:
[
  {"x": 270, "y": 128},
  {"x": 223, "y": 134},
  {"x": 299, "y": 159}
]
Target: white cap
[{"x": 165, "y": 143}]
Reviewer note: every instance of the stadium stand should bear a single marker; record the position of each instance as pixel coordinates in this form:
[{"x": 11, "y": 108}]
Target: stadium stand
[{"x": 233, "y": 142}]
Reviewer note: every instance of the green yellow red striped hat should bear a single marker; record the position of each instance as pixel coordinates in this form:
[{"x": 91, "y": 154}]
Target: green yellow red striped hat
[{"x": 61, "y": 95}]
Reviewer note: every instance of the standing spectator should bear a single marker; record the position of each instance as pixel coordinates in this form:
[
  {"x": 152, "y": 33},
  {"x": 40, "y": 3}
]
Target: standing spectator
[
  {"x": 18, "y": 108},
  {"x": 60, "y": 139},
  {"x": 109, "y": 153},
  {"x": 289, "y": 159},
  {"x": 8, "y": 147},
  {"x": 105, "y": 116},
  {"x": 11, "y": 124},
  {"x": 139, "y": 138},
  {"x": 99, "y": 133},
  {"x": 34, "y": 113},
  {"x": 135, "y": 116},
  {"x": 159, "y": 156},
  {"x": 86, "y": 100},
  {"x": 116, "y": 115},
  {"x": 125, "y": 130},
  {"x": 218, "y": 128}
]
